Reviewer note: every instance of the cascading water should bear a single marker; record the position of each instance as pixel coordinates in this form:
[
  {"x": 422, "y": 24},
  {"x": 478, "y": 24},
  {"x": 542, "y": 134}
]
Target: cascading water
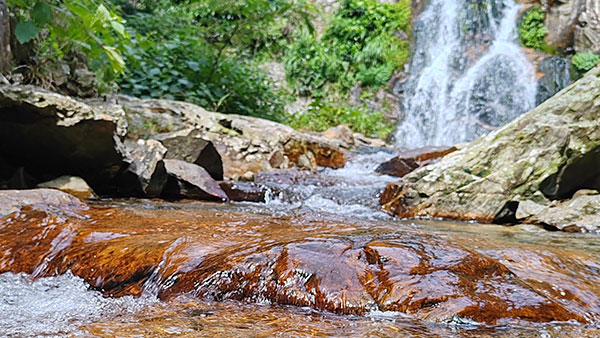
[{"x": 468, "y": 75}]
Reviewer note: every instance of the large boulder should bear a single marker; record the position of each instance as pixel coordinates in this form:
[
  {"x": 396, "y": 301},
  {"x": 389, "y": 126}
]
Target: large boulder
[
  {"x": 547, "y": 154},
  {"x": 52, "y": 135},
  {"x": 245, "y": 144}
]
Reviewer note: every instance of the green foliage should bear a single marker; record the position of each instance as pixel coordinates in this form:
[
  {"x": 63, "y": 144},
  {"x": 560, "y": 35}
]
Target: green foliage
[
  {"x": 167, "y": 60},
  {"x": 311, "y": 65},
  {"x": 322, "y": 115},
  {"x": 359, "y": 45},
  {"x": 60, "y": 27},
  {"x": 532, "y": 30},
  {"x": 585, "y": 61}
]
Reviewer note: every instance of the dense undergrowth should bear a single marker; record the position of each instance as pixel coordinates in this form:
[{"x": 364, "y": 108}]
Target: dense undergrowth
[{"x": 211, "y": 52}]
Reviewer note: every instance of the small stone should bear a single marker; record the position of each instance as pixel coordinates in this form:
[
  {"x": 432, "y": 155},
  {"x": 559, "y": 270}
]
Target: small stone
[
  {"x": 585, "y": 192},
  {"x": 527, "y": 209},
  {"x": 73, "y": 185},
  {"x": 248, "y": 176}
]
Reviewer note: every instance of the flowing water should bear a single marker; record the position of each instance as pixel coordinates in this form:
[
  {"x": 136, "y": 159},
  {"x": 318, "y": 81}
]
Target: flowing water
[
  {"x": 318, "y": 259},
  {"x": 468, "y": 74}
]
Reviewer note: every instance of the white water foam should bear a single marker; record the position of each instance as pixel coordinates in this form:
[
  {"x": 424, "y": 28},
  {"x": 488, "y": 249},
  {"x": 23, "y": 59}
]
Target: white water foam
[{"x": 468, "y": 75}]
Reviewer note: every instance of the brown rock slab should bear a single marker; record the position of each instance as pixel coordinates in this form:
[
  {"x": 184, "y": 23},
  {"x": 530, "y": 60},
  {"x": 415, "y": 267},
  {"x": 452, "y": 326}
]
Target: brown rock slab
[
  {"x": 244, "y": 191},
  {"x": 14, "y": 200},
  {"x": 189, "y": 180},
  {"x": 248, "y": 257},
  {"x": 408, "y": 161}
]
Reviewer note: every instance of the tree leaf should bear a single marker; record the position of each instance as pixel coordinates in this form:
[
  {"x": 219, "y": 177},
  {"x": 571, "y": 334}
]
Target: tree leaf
[
  {"x": 116, "y": 60},
  {"x": 103, "y": 14},
  {"x": 42, "y": 13},
  {"x": 119, "y": 28},
  {"x": 26, "y": 31}
]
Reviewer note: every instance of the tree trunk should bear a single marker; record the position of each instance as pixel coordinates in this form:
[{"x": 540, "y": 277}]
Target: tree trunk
[{"x": 5, "y": 53}]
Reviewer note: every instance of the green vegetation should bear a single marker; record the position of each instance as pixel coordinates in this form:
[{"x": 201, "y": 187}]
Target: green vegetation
[
  {"x": 56, "y": 29},
  {"x": 321, "y": 115},
  {"x": 585, "y": 61},
  {"x": 359, "y": 46},
  {"x": 211, "y": 52},
  {"x": 532, "y": 30}
]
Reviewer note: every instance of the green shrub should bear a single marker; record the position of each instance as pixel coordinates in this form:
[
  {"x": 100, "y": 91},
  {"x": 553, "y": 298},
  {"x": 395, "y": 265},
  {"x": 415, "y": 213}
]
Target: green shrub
[
  {"x": 585, "y": 61},
  {"x": 323, "y": 115},
  {"x": 360, "y": 44},
  {"x": 57, "y": 28},
  {"x": 532, "y": 30},
  {"x": 311, "y": 65},
  {"x": 170, "y": 62}
]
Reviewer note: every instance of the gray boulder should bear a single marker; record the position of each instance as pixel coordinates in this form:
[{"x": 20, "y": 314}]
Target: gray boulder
[{"x": 547, "y": 154}]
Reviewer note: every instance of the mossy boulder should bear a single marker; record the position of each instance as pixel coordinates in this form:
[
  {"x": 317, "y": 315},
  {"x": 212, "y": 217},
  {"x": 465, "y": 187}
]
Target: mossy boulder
[{"x": 544, "y": 155}]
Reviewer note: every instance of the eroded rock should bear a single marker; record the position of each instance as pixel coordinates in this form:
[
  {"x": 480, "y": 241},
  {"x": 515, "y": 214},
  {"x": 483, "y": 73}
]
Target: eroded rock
[
  {"x": 208, "y": 254},
  {"x": 189, "y": 180},
  {"x": 408, "y": 161},
  {"x": 244, "y": 143},
  {"x": 551, "y": 150},
  {"x": 52, "y": 135}
]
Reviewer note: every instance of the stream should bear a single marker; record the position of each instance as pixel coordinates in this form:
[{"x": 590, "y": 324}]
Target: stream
[{"x": 318, "y": 259}]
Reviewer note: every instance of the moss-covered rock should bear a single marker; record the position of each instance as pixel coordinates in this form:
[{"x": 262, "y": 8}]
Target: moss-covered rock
[{"x": 546, "y": 154}]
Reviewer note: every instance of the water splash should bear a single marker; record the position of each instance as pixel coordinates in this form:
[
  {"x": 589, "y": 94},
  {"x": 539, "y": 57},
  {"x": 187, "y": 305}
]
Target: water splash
[{"x": 468, "y": 74}]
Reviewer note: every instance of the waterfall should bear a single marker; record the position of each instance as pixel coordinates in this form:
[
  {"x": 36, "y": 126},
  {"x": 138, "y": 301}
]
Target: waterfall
[{"x": 468, "y": 74}]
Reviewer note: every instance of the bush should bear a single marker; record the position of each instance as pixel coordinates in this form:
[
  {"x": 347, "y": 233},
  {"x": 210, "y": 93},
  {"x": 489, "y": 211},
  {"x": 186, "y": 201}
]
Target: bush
[
  {"x": 360, "y": 44},
  {"x": 322, "y": 115},
  {"x": 59, "y": 28},
  {"x": 532, "y": 30},
  {"x": 170, "y": 62},
  {"x": 585, "y": 61}
]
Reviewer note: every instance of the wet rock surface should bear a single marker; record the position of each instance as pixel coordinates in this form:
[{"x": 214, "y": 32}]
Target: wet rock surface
[
  {"x": 12, "y": 201},
  {"x": 545, "y": 155},
  {"x": 342, "y": 267},
  {"x": 407, "y": 161}
]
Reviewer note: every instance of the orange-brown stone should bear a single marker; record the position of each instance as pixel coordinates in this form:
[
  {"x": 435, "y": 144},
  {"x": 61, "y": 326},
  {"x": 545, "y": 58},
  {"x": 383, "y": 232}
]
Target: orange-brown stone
[{"x": 250, "y": 257}]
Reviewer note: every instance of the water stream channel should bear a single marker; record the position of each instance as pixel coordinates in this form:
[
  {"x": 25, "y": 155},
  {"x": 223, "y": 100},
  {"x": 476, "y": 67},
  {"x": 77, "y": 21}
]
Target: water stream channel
[{"x": 318, "y": 259}]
